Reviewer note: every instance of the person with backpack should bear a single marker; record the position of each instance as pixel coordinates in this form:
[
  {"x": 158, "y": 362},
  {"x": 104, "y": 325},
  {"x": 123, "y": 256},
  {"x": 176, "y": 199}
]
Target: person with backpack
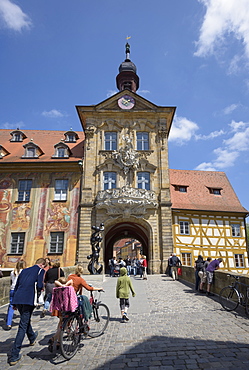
[
  {"x": 174, "y": 263},
  {"x": 199, "y": 266},
  {"x": 203, "y": 275}
]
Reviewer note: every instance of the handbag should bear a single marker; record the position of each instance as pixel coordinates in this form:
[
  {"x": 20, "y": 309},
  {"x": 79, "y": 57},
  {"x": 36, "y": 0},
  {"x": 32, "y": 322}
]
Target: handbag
[{"x": 179, "y": 271}]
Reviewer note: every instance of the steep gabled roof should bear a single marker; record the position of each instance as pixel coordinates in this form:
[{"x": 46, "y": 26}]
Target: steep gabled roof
[
  {"x": 198, "y": 195},
  {"x": 45, "y": 140}
]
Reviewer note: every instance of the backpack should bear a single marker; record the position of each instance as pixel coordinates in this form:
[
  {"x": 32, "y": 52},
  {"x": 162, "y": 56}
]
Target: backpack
[
  {"x": 199, "y": 265},
  {"x": 174, "y": 261}
]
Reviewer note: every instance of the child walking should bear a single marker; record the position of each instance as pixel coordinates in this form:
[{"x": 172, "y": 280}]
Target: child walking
[{"x": 123, "y": 288}]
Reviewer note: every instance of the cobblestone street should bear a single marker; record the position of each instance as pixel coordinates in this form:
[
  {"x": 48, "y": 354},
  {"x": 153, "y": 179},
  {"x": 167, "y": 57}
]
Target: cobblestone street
[{"x": 170, "y": 327}]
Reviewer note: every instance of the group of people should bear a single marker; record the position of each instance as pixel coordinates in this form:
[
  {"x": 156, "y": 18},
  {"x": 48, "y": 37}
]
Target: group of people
[
  {"x": 27, "y": 284},
  {"x": 134, "y": 266},
  {"x": 204, "y": 273}
]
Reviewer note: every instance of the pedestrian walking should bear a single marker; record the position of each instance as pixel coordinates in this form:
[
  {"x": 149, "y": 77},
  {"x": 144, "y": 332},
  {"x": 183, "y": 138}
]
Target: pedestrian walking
[
  {"x": 144, "y": 267},
  {"x": 199, "y": 265},
  {"x": 203, "y": 274},
  {"x": 29, "y": 280},
  {"x": 128, "y": 265},
  {"x": 174, "y": 263},
  {"x": 123, "y": 288},
  {"x": 13, "y": 278},
  {"x": 51, "y": 275},
  {"x": 214, "y": 265}
]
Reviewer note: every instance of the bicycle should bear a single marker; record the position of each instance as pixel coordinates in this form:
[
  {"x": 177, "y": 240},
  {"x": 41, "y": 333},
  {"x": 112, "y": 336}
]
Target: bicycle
[
  {"x": 74, "y": 326},
  {"x": 231, "y": 296}
]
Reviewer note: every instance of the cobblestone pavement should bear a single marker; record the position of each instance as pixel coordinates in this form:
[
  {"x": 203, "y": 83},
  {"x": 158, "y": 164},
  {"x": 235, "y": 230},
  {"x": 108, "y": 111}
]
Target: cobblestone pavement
[{"x": 170, "y": 327}]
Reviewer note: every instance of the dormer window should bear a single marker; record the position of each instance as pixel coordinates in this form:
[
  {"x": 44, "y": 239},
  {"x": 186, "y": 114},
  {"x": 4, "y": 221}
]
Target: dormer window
[
  {"x": 17, "y": 136},
  {"x": 32, "y": 150},
  {"x": 61, "y": 151},
  {"x": 215, "y": 191},
  {"x": 181, "y": 188},
  {"x": 71, "y": 137},
  {"x": 3, "y": 152}
]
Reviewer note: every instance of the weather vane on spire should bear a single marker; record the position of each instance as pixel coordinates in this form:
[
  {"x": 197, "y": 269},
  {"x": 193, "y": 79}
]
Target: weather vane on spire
[{"x": 127, "y": 48}]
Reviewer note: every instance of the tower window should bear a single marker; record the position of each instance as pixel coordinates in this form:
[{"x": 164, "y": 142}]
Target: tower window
[
  {"x": 24, "y": 188},
  {"x": 110, "y": 141},
  {"x": 142, "y": 141},
  {"x": 110, "y": 179},
  {"x": 143, "y": 180}
]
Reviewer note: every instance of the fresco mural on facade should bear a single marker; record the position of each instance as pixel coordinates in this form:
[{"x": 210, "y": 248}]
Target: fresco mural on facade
[
  {"x": 58, "y": 217},
  {"x": 21, "y": 216}
]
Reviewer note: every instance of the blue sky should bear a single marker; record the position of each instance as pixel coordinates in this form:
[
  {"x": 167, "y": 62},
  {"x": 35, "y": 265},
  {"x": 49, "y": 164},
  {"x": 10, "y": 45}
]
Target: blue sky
[{"x": 192, "y": 54}]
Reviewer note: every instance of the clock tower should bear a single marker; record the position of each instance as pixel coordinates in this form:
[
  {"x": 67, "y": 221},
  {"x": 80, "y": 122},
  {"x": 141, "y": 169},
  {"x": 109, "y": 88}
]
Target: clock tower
[{"x": 125, "y": 180}]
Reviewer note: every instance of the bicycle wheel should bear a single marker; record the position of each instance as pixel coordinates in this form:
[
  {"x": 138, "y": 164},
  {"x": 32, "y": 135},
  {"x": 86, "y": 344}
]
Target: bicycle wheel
[
  {"x": 99, "y": 320},
  {"x": 229, "y": 298},
  {"x": 70, "y": 337}
]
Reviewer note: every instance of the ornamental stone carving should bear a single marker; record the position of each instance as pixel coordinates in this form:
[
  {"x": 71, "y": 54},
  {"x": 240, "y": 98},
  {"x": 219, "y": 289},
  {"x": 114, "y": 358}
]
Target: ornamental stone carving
[
  {"x": 127, "y": 158},
  {"x": 126, "y": 200}
]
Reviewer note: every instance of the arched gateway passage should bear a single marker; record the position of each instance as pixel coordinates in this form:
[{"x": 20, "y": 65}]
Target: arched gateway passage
[{"x": 125, "y": 230}]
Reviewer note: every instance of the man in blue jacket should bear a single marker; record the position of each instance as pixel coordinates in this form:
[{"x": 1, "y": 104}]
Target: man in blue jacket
[{"x": 23, "y": 300}]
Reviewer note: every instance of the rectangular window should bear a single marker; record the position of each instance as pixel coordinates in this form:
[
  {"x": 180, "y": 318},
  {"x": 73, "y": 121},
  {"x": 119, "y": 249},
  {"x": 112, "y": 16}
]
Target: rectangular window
[
  {"x": 56, "y": 242},
  {"x": 30, "y": 152},
  {"x": 24, "y": 188},
  {"x": 110, "y": 141},
  {"x": 17, "y": 243},
  {"x": 186, "y": 259},
  {"x": 60, "y": 189},
  {"x": 142, "y": 141},
  {"x": 184, "y": 227},
  {"x": 235, "y": 230},
  {"x": 143, "y": 180},
  {"x": 110, "y": 179},
  {"x": 239, "y": 260}
]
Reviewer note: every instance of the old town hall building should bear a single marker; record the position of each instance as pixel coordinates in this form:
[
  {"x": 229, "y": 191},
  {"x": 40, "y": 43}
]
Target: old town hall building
[{"x": 55, "y": 185}]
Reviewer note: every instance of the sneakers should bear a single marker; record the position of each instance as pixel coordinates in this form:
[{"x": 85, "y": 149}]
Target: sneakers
[
  {"x": 14, "y": 362},
  {"x": 125, "y": 317},
  {"x": 34, "y": 341}
]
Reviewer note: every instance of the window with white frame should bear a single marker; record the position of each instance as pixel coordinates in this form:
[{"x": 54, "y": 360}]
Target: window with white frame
[
  {"x": 110, "y": 140},
  {"x": 30, "y": 152},
  {"x": 184, "y": 227},
  {"x": 56, "y": 242},
  {"x": 239, "y": 260},
  {"x": 60, "y": 189},
  {"x": 61, "y": 152},
  {"x": 24, "y": 189},
  {"x": 142, "y": 141},
  {"x": 17, "y": 243},
  {"x": 17, "y": 136},
  {"x": 110, "y": 179},
  {"x": 143, "y": 180},
  {"x": 235, "y": 230},
  {"x": 186, "y": 259}
]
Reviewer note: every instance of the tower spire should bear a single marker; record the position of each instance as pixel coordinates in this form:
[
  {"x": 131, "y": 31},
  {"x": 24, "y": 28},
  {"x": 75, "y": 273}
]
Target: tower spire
[{"x": 127, "y": 77}]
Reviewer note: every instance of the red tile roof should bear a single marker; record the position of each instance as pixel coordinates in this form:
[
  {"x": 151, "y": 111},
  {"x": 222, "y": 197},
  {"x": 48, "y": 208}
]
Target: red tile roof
[
  {"x": 45, "y": 140},
  {"x": 198, "y": 196}
]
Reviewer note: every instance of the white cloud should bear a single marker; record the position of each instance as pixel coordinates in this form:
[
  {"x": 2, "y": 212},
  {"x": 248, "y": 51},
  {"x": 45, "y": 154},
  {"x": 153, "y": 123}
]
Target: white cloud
[
  {"x": 231, "y": 148},
  {"x": 12, "y": 16},
  {"x": 182, "y": 130},
  {"x": 239, "y": 141},
  {"x": 230, "y": 108},
  {"x": 11, "y": 126},
  {"x": 222, "y": 18},
  {"x": 236, "y": 126},
  {"x": 53, "y": 113},
  {"x": 111, "y": 93},
  {"x": 212, "y": 135}
]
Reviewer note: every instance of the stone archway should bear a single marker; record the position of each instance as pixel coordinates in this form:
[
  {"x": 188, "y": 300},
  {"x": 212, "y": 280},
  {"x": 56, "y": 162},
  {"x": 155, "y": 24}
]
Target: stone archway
[{"x": 125, "y": 230}]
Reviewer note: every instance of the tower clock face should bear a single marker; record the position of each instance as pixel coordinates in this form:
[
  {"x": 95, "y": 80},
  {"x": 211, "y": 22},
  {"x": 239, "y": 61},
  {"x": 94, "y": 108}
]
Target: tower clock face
[{"x": 126, "y": 102}]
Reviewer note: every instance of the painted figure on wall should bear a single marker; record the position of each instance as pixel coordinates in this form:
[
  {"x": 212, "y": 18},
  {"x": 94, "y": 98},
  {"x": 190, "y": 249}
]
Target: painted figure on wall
[
  {"x": 58, "y": 217},
  {"x": 21, "y": 217}
]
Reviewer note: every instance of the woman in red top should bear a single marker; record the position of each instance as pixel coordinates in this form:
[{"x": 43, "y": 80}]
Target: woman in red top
[{"x": 144, "y": 265}]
